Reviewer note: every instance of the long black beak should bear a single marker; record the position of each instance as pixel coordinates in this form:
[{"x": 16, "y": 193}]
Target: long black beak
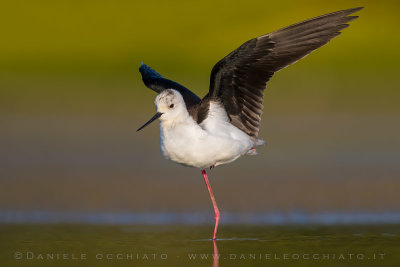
[{"x": 158, "y": 115}]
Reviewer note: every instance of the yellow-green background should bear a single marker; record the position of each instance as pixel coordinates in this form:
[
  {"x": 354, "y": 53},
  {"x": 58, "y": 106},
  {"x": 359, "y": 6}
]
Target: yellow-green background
[{"x": 71, "y": 98}]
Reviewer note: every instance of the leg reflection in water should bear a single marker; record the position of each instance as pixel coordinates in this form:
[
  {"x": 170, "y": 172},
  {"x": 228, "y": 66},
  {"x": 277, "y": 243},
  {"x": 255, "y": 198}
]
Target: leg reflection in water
[{"x": 216, "y": 255}]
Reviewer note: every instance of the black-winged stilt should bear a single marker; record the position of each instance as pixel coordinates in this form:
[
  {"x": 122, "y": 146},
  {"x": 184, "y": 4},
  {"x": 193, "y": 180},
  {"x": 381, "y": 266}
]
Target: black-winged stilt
[{"x": 224, "y": 125}]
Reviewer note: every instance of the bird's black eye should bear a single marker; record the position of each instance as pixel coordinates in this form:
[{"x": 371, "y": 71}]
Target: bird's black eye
[{"x": 171, "y": 106}]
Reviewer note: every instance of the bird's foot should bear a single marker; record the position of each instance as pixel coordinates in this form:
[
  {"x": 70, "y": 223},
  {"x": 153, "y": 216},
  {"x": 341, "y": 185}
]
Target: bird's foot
[
  {"x": 212, "y": 166},
  {"x": 252, "y": 151}
]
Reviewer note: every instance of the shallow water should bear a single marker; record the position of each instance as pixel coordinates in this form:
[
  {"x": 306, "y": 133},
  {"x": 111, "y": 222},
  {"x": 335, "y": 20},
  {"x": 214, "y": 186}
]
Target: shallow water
[{"x": 133, "y": 245}]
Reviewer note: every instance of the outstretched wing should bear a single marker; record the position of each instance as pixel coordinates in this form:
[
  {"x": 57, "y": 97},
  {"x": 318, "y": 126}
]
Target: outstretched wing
[
  {"x": 158, "y": 83},
  {"x": 239, "y": 79}
]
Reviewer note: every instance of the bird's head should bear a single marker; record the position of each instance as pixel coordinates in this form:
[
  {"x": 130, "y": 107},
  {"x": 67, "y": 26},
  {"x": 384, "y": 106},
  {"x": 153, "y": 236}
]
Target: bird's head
[{"x": 170, "y": 107}]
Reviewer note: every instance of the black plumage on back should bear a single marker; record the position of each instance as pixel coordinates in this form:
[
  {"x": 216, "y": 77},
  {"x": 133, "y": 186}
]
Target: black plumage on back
[{"x": 239, "y": 79}]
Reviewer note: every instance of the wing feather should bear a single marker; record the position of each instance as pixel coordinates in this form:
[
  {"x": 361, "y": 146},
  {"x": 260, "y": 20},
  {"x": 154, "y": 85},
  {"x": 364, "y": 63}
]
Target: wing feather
[
  {"x": 239, "y": 79},
  {"x": 158, "y": 83}
]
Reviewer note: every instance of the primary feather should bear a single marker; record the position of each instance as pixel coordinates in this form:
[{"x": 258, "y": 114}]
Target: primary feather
[{"x": 238, "y": 80}]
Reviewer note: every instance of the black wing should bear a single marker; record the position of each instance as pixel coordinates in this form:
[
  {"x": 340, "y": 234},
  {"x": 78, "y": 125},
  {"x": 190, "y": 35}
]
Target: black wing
[
  {"x": 239, "y": 79},
  {"x": 158, "y": 83}
]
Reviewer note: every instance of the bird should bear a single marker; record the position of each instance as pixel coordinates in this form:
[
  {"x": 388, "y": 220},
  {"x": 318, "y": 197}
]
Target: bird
[{"x": 224, "y": 124}]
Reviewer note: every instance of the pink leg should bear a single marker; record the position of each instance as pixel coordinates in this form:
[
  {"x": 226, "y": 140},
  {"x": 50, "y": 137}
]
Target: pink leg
[{"x": 216, "y": 211}]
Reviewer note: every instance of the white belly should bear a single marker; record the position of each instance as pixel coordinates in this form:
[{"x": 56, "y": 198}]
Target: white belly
[{"x": 215, "y": 142}]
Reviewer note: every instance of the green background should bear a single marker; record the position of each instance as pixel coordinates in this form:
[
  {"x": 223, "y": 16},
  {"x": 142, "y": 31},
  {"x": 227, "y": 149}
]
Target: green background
[{"x": 71, "y": 99}]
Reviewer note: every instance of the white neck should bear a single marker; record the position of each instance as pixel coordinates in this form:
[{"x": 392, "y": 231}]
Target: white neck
[{"x": 181, "y": 117}]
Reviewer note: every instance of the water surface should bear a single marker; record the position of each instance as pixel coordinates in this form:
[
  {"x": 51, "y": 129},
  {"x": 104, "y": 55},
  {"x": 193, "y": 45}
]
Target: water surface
[{"x": 186, "y": 245}]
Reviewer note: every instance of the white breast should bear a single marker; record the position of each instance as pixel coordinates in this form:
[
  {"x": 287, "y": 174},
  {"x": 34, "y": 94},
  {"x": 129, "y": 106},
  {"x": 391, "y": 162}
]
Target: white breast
[{"x": 214, "y": 142}]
